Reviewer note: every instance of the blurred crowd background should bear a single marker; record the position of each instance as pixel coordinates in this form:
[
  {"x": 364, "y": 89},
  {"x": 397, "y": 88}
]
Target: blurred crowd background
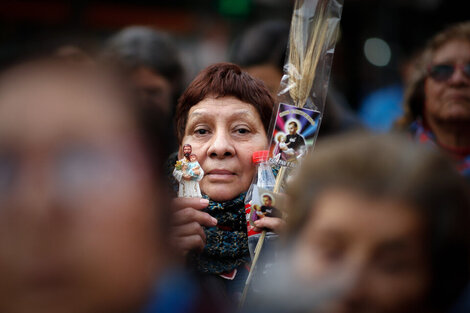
[
  {"x": 85, "y": 158},
  {"x": 378, "y": 37}
]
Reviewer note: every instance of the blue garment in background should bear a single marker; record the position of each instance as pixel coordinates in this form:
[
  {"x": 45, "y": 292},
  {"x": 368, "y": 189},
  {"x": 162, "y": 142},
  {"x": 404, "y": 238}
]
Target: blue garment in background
[
  {"x": 463, "y": 304},
  {"x": 175, "y": 292},
  {"x": 380, "y": 109}
]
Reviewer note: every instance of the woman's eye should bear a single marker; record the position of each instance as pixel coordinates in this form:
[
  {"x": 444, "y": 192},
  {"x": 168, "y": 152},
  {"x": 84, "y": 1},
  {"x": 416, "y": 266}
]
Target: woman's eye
[
  {"x": 243, "y": 131},
  {"x": 331, "y": 254},
  {"x": 201, "y": 131},
  {"x": 395, "y": 266}
]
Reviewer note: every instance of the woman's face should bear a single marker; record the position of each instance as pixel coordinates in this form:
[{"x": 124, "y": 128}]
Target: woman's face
[
  {"x": 77, "y": 230},
  {"x": 377, "y": 246},
  {"x": 224, "y": 133},
  {"x": 449, "y": 100}
]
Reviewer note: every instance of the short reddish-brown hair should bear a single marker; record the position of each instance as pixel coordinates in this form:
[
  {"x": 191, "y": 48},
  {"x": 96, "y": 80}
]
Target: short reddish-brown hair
[{"x": 222, "y": 80}]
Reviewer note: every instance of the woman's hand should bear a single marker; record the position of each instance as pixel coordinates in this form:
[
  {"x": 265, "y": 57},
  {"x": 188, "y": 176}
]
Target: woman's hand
[
  {"x": 275, "y": 224},
  {"x": 187, "y": 233}
]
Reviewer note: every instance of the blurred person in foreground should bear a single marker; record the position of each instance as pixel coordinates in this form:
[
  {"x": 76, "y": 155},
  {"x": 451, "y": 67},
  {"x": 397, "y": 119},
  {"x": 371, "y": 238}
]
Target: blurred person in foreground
[
  {"x": 151, "y": 60},
  {"x": 376, "y": 224},
  {"x": 261, "y": 51},
  {"x": 83, "y": 209},
  {"x": 437, "y": 101}
]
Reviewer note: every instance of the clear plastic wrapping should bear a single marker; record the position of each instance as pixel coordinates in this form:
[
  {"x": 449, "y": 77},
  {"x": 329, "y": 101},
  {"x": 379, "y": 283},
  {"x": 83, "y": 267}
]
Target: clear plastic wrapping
[
  {"x": 304, "y": 85},
  {"x": 296, "y": 119}
]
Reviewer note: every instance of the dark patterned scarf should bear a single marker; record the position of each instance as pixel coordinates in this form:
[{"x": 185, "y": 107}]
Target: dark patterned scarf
[{"x": 227, "y": 243}]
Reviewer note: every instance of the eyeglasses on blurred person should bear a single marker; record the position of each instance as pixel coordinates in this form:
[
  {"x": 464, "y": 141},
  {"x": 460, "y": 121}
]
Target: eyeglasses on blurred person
[{"x": 444, "y": 72}]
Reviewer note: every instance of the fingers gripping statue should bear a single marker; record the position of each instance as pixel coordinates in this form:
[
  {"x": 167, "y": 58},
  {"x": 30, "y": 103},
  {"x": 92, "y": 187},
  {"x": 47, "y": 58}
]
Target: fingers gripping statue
[{"x": 188, "y": 173}]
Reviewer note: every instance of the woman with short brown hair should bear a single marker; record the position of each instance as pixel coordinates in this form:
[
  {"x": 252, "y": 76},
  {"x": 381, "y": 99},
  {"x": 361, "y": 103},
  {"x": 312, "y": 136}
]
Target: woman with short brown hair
[{"x": 224, "y": 115}]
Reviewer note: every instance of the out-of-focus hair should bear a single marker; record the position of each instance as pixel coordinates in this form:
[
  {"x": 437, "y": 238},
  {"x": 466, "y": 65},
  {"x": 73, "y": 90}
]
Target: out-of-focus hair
[
  {"x": 264, "y": 43},
  {"x": 224, "y": 80},
  {"x": 414, "y": 94},
  {"x": 139, "y": 46},
  {"x": 392, "y": 168}
]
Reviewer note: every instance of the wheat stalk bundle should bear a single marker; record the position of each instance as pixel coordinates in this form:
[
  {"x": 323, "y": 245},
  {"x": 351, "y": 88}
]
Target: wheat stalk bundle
[{"x": 305, "y": 49}]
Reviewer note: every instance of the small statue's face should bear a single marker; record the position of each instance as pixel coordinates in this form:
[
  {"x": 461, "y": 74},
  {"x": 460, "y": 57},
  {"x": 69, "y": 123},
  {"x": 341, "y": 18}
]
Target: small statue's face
[
  {"x": 193, "y": 158},
  {"x": 187, "y": 150}
]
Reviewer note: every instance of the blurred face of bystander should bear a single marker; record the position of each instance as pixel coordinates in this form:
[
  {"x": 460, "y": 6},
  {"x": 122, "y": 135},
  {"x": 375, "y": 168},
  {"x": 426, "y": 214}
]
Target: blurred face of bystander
[
  {"x": 224, "y": 133},
  {"x": 153, "y": 89},
  {"x": 378, "y": 246},
  {"x": 269, "y": 74},
  {"x": 448, "y": 100},
  {"x": 77, "y": 225}
]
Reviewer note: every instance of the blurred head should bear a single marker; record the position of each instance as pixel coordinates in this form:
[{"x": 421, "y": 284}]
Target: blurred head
[
  {"x": 81, "y": 220},
  {"x": 193, "y": 157},
  {"x": 224, "y": 115},
  {"x": 439, "y": 91},
  {"x": 391, "y": 215},
  {"x": 261, "y": 51},
  {"x": 152, "y": 61}
]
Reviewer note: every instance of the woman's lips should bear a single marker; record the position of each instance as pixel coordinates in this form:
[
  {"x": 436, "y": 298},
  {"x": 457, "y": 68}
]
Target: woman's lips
[
  {"x": 48, "y": 276},
  {"x": 220, "y": 175},
  {"x": 458, "y": 97}
]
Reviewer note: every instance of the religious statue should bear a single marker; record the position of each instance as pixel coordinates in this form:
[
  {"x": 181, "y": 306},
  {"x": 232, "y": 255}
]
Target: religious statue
[{"x": 188, "y": 173}]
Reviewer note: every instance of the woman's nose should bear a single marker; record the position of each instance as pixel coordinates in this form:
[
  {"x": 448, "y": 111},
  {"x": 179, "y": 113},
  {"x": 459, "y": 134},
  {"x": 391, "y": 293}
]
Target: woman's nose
[
  {"x": 357, "y": 295},
  {"x": 459, "y": 77},
  {"x": 35, "y": 196},
  {"x": 221, "y": 145}
]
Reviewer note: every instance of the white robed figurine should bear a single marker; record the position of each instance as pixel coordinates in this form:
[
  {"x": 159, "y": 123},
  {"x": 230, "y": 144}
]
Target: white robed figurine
[{"x": 188, "y": 173}]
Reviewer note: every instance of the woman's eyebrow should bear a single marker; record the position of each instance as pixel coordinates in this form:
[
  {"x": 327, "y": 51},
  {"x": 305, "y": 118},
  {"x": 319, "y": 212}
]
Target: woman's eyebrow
[
  {"x": 233, "y": 115},
  {"x": 395, "y": 246},
  {"x": 196, "y": 114},
  {"x": 241, "y": 113},
  {"x": 451, "y": 60}
]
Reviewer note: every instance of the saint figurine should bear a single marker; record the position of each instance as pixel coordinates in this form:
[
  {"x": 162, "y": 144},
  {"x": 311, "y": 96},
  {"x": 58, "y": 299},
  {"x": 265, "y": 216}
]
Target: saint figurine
[{"x": 188, "y": 173}]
